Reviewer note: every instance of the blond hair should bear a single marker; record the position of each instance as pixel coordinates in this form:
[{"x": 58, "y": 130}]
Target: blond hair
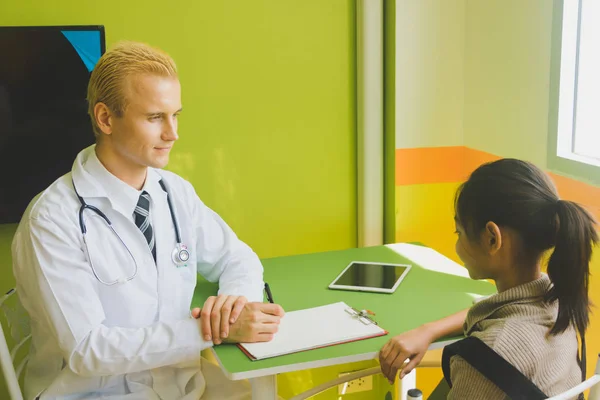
[{"x": 115, "y": 66}]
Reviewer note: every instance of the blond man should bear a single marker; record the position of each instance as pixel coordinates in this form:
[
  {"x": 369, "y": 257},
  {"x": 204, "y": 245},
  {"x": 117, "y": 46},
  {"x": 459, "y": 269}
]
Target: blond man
[{"x": 106, "y": 258}]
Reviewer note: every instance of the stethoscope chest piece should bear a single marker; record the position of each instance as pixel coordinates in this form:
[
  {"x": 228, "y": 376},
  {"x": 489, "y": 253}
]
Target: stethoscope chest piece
[{"x": 180, "y": 255}]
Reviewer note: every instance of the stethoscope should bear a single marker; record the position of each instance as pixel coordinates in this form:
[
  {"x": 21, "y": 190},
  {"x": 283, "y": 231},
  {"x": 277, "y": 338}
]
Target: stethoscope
[{"x": 180, "y": 254}]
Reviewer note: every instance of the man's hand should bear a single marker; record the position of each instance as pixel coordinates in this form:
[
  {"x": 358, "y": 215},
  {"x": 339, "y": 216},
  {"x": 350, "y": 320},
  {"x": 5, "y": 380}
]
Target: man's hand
[
  {"x": 256, "y": 322},
  {"x": 216, "y": 315}
]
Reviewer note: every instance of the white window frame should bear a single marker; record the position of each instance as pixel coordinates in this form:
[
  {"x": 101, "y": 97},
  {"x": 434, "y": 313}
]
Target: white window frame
[{"x": 563, "y": 80}]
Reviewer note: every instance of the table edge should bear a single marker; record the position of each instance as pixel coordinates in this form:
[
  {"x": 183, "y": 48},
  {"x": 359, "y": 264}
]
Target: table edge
[{"x": 258, "y": 373}]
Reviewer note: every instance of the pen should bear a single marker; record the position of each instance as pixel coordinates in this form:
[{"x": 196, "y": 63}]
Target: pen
[{"x": 269, "y": 294}]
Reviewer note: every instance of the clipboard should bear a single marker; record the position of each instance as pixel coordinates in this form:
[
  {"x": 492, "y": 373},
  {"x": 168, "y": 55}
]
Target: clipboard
[
  {"x": 338, "y": 324},
  {"x": 364, "y": 316}
]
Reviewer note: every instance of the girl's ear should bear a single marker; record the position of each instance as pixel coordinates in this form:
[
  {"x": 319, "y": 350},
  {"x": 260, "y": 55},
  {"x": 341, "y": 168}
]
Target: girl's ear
[{"x": 492, "y": 237}]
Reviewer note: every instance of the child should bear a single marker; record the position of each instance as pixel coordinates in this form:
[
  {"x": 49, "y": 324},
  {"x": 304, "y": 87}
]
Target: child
[{"x": 507, "y": 216}]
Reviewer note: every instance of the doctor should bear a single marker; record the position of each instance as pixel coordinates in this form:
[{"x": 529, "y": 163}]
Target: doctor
[{"x": 106, "y": 257}]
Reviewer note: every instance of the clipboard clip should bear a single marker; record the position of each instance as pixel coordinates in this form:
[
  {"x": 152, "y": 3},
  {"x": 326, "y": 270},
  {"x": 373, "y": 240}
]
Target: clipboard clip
[{"x": 364, "y": 316}]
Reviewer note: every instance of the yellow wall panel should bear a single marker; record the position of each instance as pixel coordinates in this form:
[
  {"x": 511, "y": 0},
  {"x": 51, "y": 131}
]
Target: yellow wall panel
[{"x": 425, "y": 213}]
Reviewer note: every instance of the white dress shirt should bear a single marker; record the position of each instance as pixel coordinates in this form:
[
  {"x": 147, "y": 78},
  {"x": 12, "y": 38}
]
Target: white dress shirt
[{"x": 133, "y": 340}]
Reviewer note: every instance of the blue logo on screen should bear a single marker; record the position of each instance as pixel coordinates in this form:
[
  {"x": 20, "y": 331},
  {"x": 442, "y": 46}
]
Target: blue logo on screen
[{"x": 87, "y": 45}]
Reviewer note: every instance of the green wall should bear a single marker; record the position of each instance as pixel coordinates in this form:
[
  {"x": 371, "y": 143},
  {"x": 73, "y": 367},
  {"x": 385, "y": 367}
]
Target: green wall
[
  {"x": 7, "y": 280},
  {"x": 267, "y": 136},
  {"x": 268, "y": 129}
]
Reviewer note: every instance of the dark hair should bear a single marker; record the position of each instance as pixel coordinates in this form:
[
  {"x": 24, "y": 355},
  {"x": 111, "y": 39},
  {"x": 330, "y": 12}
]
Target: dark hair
[{"x": 516, "y": 194}]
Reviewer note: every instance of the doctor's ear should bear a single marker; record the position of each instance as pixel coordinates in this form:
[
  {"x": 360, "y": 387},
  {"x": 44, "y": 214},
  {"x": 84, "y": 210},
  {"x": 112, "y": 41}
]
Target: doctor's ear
[{"x": 104, "y": 118}]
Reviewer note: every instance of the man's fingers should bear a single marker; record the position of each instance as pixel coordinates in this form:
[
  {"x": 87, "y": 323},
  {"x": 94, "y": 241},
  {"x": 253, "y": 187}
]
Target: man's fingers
[
  {"x": 272, "y": 309},
  {"x": 195, "y": 312},
  {"x": 215, "y": 318},
  {"x": 267, "y": 328},
  {"x": 225, "y": 312},
  {"x": 205, "y": 317},
  {"x": 237, "y": 309},
  {"x": 264, "y": 337},
  {"x": 267, "y": 318}
]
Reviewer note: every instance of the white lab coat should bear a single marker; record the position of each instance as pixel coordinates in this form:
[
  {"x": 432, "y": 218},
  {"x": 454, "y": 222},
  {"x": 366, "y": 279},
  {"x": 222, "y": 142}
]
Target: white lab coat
[{"x": 128, "y": 341}]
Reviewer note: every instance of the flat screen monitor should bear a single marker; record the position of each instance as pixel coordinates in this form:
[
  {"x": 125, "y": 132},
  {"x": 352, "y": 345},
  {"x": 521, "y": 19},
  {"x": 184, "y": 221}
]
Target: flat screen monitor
[{"x": 44, "y": 72}]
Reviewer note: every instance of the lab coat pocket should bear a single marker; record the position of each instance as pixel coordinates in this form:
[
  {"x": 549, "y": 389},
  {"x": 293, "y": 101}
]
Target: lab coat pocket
[
  {"x": 186, "y": 283},
  {"x": 127, "y": 290}
]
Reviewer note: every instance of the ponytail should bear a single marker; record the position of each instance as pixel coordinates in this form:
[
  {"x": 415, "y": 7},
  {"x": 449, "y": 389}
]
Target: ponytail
[{"x": 568, "y": 267}]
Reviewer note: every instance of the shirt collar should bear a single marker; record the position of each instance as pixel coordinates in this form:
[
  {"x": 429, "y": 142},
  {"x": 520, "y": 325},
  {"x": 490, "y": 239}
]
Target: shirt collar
[
  {"x": 530, "y": 292},
  {"x": 92, "y": 179}
]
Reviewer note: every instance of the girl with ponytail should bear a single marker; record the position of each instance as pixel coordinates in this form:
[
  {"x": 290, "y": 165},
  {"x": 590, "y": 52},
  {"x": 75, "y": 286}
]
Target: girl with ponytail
[{"x": 509, "y": 218}]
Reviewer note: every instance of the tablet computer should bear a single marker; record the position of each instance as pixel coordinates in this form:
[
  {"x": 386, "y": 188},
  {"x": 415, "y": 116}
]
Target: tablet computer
[{"x": 368, "y": 276}]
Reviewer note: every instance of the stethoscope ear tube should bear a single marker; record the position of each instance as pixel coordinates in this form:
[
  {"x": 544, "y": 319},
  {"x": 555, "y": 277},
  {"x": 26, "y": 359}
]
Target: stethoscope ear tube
[
  {"x": 81, "y": 223},
  {"x": 172, "y": 211},
  {"x": 85, "y": 205}
]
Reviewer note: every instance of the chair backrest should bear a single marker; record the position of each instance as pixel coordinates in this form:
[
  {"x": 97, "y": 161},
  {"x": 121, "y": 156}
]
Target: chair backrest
[
  {"x": 15, "y": 336},
  {"x": 593, "y": 383},
  {"x": 595, "y": 391}
]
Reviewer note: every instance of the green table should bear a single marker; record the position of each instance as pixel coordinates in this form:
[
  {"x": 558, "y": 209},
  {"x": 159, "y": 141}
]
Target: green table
[{"x": 299, "y": 282}]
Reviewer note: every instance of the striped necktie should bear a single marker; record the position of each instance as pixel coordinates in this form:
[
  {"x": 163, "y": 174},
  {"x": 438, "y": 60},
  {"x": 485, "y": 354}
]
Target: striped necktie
[{"x": 142, "y": 220}]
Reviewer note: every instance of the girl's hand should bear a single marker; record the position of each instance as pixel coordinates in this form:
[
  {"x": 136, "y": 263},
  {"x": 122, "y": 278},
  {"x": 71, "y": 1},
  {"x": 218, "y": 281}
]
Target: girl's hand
[{"x": 411, "y": 345}]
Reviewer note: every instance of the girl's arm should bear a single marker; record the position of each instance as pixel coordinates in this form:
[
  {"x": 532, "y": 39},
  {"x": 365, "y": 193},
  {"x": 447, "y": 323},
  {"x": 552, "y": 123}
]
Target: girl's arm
[{"x": 413, "y": 345}]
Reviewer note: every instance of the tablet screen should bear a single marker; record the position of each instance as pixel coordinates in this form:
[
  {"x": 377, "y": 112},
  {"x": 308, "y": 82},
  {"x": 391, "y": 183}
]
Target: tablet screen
[{"x": 362, "y": 274}]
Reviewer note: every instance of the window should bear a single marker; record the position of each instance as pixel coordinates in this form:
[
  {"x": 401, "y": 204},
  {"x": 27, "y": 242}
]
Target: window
[{"x": 578, "y": 125}]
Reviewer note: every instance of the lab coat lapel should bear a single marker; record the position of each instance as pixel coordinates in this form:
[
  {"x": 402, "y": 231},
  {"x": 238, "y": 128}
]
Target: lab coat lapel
[{"x": 164, "y": 234}]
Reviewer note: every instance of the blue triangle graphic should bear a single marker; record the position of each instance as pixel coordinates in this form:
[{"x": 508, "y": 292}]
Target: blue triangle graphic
[{"x": 87, "y": 45}]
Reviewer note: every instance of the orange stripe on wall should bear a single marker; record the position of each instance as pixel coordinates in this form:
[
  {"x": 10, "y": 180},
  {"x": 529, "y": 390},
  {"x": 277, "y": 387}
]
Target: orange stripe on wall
[
  {"x": 454, "y": 164},
  {"x": 577, "y": 191},
  {"x": 437, "y": 164},
  {"x": 429, "y": 165},
  {"x": 474, "y": 158}
]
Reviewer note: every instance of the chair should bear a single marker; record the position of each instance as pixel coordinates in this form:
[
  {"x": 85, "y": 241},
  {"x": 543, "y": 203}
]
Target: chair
[
  {"x": 582, "y": 387},
  {"x": 13, "y": 361}
]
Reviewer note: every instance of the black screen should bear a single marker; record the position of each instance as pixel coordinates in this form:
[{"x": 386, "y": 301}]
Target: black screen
[
  {"x": 44, "y": 72},
  {"x": 371, "y": 275}
]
